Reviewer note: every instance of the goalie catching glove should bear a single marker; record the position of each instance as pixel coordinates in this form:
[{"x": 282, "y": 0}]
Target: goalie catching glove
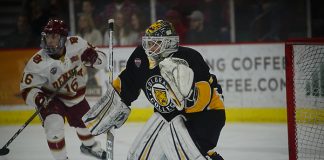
[
  {"x": 179, "y": 76},
  {"x": 107, "y": 113}
]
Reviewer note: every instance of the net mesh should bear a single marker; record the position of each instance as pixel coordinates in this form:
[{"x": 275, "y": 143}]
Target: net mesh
[{"x": 309, "y": 101}]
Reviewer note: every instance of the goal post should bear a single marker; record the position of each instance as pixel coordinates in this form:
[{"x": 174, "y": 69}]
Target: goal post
[{"x": 305, "y": 99}]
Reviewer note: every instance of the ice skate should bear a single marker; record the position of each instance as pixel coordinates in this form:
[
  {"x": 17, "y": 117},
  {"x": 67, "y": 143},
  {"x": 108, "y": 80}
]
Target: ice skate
[{"x": 94, "y": 150}]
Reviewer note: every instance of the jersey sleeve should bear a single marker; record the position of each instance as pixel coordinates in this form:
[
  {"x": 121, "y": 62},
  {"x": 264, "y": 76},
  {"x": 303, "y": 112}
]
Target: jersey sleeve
[
  {"x": 33, "y": 79},
  {"x": 79, "y": 45},
  {"x": 205, "y": 95},
  {"x": 127, "y": 83},
  {"x": 199, "y": 67}
]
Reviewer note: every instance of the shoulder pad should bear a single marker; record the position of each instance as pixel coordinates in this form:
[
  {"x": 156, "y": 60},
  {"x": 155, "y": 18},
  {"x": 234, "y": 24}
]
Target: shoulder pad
[
  {"x": 75, "y": 43},
  {"x": 38, "y": 62},
  {"x": 76, "y": 40}
]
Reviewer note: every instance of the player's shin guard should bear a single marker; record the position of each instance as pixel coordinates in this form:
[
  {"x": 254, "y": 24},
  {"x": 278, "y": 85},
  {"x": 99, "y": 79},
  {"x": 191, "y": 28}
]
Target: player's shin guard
[{"x": 54, "y": 129}]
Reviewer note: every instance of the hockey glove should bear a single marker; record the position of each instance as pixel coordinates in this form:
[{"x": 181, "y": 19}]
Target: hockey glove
[
  {"x": 89, "y": 56},
  {"x": 41, "y": 100},
  {"x": 179, "y": 76}
]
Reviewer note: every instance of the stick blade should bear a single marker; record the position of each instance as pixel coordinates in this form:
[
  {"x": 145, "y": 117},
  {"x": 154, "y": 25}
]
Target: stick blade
[{"x": 4, "y": 151}]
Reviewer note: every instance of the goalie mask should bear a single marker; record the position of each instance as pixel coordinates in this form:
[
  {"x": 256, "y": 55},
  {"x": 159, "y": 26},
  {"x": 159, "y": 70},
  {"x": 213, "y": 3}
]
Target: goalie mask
[
  {"x": 55, "y": 30},
  {"x": 160, "y": 40}
]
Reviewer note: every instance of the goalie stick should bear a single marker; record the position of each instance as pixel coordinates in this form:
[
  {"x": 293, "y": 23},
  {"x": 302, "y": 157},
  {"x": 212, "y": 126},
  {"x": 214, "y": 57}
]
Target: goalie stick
[
  {"x": 97, "y": 113},
  {"x": 109, "y": 112},
  {"x": 110, "y": 135},
  {"x": 4, "y": 150}
]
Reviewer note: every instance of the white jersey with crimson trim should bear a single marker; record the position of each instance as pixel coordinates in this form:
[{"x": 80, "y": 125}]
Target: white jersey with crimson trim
[{"x": 47, "y": 74}]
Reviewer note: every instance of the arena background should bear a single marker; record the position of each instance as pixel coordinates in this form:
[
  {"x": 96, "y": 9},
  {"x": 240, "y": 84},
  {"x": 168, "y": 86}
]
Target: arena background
[
  {"x": 247, "y": 53},
  {"x": 243, "y": 43},
  {"x": 252, "y": 76}
]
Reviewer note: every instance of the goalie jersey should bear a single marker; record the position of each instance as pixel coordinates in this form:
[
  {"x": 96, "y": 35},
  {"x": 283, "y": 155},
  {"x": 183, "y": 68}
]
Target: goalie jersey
[{"x": 138, "y": 76}]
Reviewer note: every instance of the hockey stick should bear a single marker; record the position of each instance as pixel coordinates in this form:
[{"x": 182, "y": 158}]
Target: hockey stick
[
  {"x": 110, "y": 136},
  {"x": 4, "y": 150}
]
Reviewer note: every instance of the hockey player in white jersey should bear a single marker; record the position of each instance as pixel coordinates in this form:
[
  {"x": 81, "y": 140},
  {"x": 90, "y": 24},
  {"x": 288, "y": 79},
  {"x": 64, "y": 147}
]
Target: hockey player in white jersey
[{"x": 62, "y": 61}]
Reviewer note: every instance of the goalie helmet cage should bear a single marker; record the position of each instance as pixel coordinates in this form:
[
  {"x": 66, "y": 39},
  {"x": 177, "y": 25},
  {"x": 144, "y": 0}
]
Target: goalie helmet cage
[{"x": 305, "y": 99}]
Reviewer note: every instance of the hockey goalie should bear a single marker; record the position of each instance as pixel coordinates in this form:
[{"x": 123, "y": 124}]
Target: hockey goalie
[{"x": 189, "y": 112}]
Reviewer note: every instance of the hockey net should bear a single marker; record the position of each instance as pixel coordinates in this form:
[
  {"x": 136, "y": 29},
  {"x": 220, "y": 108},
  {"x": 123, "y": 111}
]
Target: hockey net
[{"x": 305, "y": 99}]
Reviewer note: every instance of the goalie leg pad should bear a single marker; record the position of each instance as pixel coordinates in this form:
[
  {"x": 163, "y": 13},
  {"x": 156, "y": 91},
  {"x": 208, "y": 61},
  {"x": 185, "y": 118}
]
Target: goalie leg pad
[
  {"x": 177, "y": 143},
  {"x": 145, "y": 145},
  {"x": 109, "y": 112},
  {"x": 212, "y": 155}
]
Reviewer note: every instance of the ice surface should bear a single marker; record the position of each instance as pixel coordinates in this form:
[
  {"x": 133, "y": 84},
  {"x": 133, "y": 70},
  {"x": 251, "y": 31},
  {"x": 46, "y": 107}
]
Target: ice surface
[{"x": 243, "y": 141}]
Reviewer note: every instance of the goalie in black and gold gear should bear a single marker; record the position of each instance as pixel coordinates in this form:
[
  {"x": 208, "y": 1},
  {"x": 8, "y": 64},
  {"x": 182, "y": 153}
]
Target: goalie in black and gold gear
[{"x": 189, "y": 112}]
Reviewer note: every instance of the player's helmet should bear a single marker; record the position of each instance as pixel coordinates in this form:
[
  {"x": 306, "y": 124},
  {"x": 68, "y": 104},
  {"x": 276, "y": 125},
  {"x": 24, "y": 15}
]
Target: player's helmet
[
  {"x": 160, "y": 40},
  {"x": 54, "y": 26}
]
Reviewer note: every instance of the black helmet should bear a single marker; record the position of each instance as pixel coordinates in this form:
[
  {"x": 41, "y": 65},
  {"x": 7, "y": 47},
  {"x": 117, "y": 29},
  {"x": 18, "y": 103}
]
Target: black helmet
[{"x": 160, "y": 28}]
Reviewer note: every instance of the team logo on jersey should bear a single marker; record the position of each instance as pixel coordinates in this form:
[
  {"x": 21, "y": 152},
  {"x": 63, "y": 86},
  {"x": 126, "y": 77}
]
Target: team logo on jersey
[
  {"x": 158, "y": 95},
  {"x": 37, "y": 58},
  {"x": 138, "y": 62},
  {"x": 53, "y": 70},
  {"x": 161, "y": 96}
]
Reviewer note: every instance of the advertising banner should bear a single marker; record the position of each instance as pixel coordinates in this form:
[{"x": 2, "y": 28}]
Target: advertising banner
[{"x": 252, "y": 75}]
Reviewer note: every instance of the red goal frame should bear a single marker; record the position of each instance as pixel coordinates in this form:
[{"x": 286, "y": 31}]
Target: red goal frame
[{"x": 290, "y": 96}]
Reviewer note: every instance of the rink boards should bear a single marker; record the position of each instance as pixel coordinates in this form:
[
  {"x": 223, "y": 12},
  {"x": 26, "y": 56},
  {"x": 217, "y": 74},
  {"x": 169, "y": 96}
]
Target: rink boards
[{"x": 252, "y": 77}]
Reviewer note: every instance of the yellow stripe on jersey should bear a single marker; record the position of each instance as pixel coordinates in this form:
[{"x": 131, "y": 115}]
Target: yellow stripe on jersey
[
  {"x": 216, "y": 102},
  {"x": 117, "y": 84},
  {"x": 204, "y": 96}
]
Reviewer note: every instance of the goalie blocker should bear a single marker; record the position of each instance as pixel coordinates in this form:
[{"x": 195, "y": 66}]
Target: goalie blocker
[{"x": 107, "y": 113}]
